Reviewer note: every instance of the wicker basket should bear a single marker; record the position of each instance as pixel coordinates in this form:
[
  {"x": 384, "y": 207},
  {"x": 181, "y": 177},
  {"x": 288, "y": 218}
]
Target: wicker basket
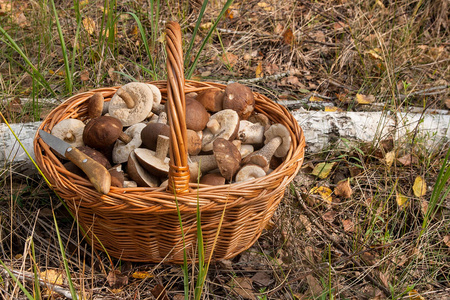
[{"x": 141, "y": 224}]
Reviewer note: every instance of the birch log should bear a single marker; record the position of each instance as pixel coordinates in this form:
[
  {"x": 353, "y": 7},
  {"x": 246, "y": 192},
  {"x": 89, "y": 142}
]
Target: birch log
[{"x": 322, "y": 130}]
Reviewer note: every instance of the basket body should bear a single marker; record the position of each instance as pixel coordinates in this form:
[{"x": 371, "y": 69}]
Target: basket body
[{"x": 142, "y": 224}]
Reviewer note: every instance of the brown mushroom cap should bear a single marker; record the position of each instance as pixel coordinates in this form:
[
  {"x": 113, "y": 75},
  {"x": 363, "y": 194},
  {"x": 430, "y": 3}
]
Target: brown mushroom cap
[
  {"x": 103, "y": 131},
  {"x": 212, "y": 179},
  {"x": 117, "y": 177},
  {"x": 194, "y": 142},
  {"x": 239, "y": 98},
  {"x": 139, "y": 174},
  {"x": 149, "y": 134},
  {"x": 223, "y": 124},
  {"x": 196, "y": 115},
  {"x": 211, "y": 99},
  {"x": 95, "y": 105},
  {"x": 227, "y": 156}
]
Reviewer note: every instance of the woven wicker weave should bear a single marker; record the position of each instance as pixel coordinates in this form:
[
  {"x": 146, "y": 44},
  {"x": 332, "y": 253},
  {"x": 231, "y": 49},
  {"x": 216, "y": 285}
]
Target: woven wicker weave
[{"x": 141, "y": 224}]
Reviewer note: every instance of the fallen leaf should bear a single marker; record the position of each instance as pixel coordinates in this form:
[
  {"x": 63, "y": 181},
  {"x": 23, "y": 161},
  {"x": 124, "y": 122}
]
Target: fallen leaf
[
  {"x": 83, "y": 3},
  {"x": 18, "y": 256},
  {"x": 374, "y": 54},
  {"x": 142, "y": 275},
  {"x": 348, "y": 225},
  {"x": 305, "y": 222},
  {"x": 89, "y": 25},
  {"x": 52, "y": 276},
  {"x": 324, "y": 192},
  {"x": 419, "y": 187},
  {"x": 314, "y": 285},
  {"x": 343, "y": 97},
  {"x": 230, "y": 58},
  {"x": 365, "y": 99},
  {"x": 262, "y": 279},
  {"x": 447, "y": 103},
  {"x": 5, "y": 8},
  {"x": 265, "y": 6},
  {"x": 315, "y": 99},
  {"x": 414, "y": 295},
  {"x": 329, "y": 216},
  {"x": 242, "y": 286},
  {"x": 116, "y": 279},
  {"x": 402, "y": 200},
  {"x": 288, "y": 36},
  {"x": 332, "y": 109},
  {"x": 343, "y": 189},
  {"x": 447, "y": 240},
  {"x": 259, "y": 70},
  {"x": 389, "y": 158},
  {"x": 339, "y": 26},
  {"x": 159, "y": 292},
  {"x": 21, "y": 20},
  {"x": 84, "y": 76},
  {"x": 206, "y": 25},
  {"x": 322, "y": 170},
  {"x": 407, "y": 160}
]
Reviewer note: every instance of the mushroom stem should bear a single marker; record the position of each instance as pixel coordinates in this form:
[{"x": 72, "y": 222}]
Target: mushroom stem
[
  {"x": 126, "y": 97},
  {"x": 70, "y": 138},
  {"x": 263, "y": 156},
  {"x": 124, "y": 138},
  {"x": 162, "y": 147},
  {"x": 206, "y": 163},
  {"x": 213, "y": 125}
]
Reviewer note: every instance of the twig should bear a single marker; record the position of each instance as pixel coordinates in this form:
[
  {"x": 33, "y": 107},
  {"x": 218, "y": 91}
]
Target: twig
[
  {"x": 311, "y": 216},
  {"x": 28, "y": 276},
  {"x": 271, "y": 77}
]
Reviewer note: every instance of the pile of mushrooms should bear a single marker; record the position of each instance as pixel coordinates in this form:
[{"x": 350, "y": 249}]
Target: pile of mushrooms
[{"x": 227, "y": 140}]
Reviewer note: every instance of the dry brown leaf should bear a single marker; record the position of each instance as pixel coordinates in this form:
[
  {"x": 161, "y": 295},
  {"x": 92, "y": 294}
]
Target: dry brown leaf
[
  {"x": 288, "y": 36},
  {"x": 314, "y": 285},
  {"x": 447, "y": 240},
  {"x": 259, "y": 70},
  {"x": 265, "y": 6},
  {"x": 116, "y": 279},
  {"x": 324, "y": 192},
  {"x": 230, "y": 58},
  {"x": 447, "y": 103},
  {"x": 5, "y": 7},
  {"x": 329, "y": 216},
  {"x": 339, "y": 26},
  {"x": 402, "y": 200},
  {"x": 348, "y": 225},
  {"x": 84, "y": 76},
  {"x": 322, "y": 170},
  {"x": 262, "y": 278},
  {"x": 343, "y": 189},
  {"x": 113, "y": 75},
  {"x": 407, "y": 160},
  {"x": 89, "y": 25},
  {"x": 21, "y": 20},
  {"x": 305, "y": 222},
  {"x": 243, "y": 287},
  {"x": 159, "y": 292},
  {"x": 389, "y": 158},
  {"x": 419, "y": 187},
  {"x": 365, "y": 99},
  {"x": 374, "y": 53}
]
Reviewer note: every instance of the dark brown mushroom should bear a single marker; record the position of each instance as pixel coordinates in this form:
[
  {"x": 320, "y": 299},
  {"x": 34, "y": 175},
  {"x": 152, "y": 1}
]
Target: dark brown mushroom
[
  {"x": 196, "y": 115},
  {"x": 103, "y": 131},
  {"x": 239, "y": 98},
  {"x": 211, "y": 99}
]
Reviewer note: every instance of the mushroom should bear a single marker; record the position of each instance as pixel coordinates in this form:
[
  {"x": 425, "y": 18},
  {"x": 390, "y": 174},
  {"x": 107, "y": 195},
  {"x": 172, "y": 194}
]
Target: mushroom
[
  {"x": 117, "y": 177},
  {"x": 103, "y": 131},
  {"x": 95, "y": 105},
  {"x": 129, "y": 184},
  {"x": 278, "y": 141},
  {"x": 157, "y": 107},
  {"x": 139, "y": 174},
  {"x": 196, "y": 115},
  {"x": 132, "y": 103},
  {"x": 194, "y": 142},
  {"x": 212, "y": 179},
  {"x": 151, "y": 131},
  {"x": 246, "y": 150},
  {"x": 121, "y": 150},
  {"x": 70, "y": 131},
  {"x": 223, "y": 124},
  {"x": 239, "y": 98},
  {"x": 155, "y": 162},
  {"x": 261, "y": 119},
  {"x": 249, "y": 172},
  {"x": 251, "y": 133},
  {"x": 226, "y": 157},
  {"x": 211, "y": 99}
]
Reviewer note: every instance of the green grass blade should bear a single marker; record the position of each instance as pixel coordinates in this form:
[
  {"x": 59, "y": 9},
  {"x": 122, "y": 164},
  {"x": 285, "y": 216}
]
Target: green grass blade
[
  {"x": 194, "y": 34},
  {"x": 35, "y": 72},
  {"x": 201, "y": 253},
  {"x": 205, "y": 40},
  {"x": 147, "y": 48},
  {"x": 37, "y": 287},
  {"x": 66, "y": 265},
  {"x": 184, "y": 267},
  {"x": 68, "y": 77},
  {"x": 22, "y": 288}
]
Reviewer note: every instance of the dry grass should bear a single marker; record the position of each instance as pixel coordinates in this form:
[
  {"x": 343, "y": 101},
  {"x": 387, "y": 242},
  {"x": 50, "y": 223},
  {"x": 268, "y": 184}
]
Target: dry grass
[{"x": 362, "y": 247}]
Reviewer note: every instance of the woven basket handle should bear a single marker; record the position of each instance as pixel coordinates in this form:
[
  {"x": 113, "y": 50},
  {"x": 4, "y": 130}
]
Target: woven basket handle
[{"x": 176, "y": 112}]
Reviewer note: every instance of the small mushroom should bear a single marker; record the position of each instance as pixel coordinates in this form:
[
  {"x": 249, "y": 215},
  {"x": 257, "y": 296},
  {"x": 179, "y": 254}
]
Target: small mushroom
[
  {"x": 157, "y": 107},
  {"x": 194, "y": 142},
  {"x": 261, "y": 119},
  {"x": 223, "y": 124},
  {"x": 251, "y": 133},
  {"x": 117, "y": 176},
  {"x": 155, "y": 162},
  {"x": 211, "y": 99},
  {"x": 151, "y": 131},
  {"x": 103, "y": 131},
  {"x": 196, "y": 115},
  {"x": 95, "y": 105},
  {"x": 278, "y": 141},
  {"x": 121, "y": 150},
  {"x": 239, "y": 98},
  {"x": 139, "y": 174},
  {"x": 70, "y": 131},
  {"x": 132, "y": 103},
  {"x": 249, "y": 172},
  {"x": 212, "y": 179}
]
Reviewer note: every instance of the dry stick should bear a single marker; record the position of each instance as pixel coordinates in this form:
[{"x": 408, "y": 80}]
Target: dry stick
[{"x": 311, "y": 216}]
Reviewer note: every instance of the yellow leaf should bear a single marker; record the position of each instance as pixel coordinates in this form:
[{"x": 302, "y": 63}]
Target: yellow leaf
[
  {"x": 259, "y": 70},
  {"x": 364, "y": 99},
  {"x": 83, "y": 3},
  {"x": 265, "y": 6},
  {"x": 402, "y": 200},
  {"x": 419, "y": 187},
  {"x": 322, "y": 170},
  {"x": 142, "y": 275},
  {"x": 89, "y": 25},
  {"x": 389, "y": 158},
  {"x": 414, "y": 295},
  {"x": 52, "y": 276},
  {"x": 315, "y": 99},
  {"x": 332, "y": 108},
  {"x": 324, "y": 192},
  {"x": 206, "y": 25},
  {"x": 374, "y": 54}
]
